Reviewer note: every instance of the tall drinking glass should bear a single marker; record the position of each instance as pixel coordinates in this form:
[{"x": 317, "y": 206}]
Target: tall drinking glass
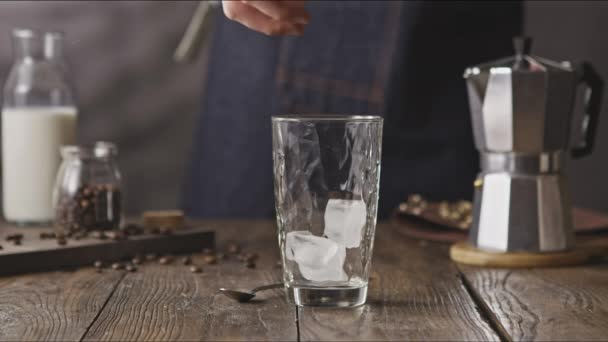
[{"x": 326, "y": 180}]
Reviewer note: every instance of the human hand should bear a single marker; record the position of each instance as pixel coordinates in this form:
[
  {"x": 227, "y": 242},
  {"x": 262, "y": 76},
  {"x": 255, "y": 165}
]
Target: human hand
[{"x": 270, "y": 17}]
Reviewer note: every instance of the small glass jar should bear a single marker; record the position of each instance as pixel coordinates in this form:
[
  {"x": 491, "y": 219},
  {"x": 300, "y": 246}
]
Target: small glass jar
[{"x": 87, "y": 192}]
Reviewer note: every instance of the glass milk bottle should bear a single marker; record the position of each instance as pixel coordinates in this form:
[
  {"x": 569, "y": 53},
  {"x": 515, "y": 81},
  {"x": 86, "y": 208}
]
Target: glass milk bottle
[{"x": 38, "y": 117}]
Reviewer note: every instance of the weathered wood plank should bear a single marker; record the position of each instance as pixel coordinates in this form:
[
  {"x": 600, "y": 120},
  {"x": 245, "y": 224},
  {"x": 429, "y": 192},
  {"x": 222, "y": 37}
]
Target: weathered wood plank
[
  {"x": 415, "y": 294},
  {"x": 569, "y": 304},
  {"x": 57, "y": 306},
  {"x": 167, "y": 302},
  {"x": 36, "y": 254}
]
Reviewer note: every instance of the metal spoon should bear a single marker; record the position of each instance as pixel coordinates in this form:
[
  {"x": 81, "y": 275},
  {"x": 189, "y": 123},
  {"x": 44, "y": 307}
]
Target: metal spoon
[{"x": 243, "y": 296}]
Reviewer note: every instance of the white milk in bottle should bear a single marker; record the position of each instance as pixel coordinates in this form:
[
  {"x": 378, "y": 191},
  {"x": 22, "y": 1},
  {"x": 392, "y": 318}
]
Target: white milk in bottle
[
  {"x": 31, "y": 139},
  {"x": 38, "y": 117}
]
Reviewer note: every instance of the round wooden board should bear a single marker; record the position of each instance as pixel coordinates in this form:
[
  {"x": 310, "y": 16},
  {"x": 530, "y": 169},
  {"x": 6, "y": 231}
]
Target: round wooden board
[{"x": 464, "y": 253}]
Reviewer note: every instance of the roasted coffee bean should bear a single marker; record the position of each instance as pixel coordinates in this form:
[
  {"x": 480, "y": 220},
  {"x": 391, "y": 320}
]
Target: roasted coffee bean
[
  {"x": 17, "y": 242},
  {"x": 165, "y": 260},
  {"x": 16, "y": 236},
  {"x": 136, "y": 260},
  {"x": 209, "y": 259},
  {"x": 186, "y": 261},
  {"x": 98, "y": 264},
  {"x": 251, "y": 257},
  {"x": 1, "y": 248},
  {"x": 117, "y": 266},
  {"x": 62, "y": 241},
  {"x": 44, "y": 235},
  {"x": 151, "y": 257},
  {"x": 233, "y": 248},
  {"x": 195, "y": 269},
  {"x": 92, "y": 207},
  {"x": 131, "y": 268},
  {"x": 250, "y": 264}
]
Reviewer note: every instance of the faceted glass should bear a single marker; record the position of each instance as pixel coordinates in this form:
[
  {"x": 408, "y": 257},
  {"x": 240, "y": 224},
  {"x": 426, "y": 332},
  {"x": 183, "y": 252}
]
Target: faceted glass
[{"x": 326, "y": 180}]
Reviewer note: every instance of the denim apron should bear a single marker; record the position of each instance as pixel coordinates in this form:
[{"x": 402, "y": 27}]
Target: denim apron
[{"x": 401, "y": 60}]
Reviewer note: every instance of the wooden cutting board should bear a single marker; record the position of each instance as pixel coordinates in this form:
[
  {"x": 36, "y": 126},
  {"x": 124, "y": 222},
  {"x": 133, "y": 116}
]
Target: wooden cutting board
[{"x": 35, "y": 254}]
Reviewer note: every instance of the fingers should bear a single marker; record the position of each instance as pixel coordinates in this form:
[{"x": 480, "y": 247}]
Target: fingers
[
  {"x": 282, "y": 10},
  {"x": 251, "y": 17}
]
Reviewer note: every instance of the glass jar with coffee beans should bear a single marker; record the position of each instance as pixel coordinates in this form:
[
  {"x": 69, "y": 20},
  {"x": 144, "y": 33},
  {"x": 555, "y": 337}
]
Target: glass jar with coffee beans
[{"x": 87, "y": 192}]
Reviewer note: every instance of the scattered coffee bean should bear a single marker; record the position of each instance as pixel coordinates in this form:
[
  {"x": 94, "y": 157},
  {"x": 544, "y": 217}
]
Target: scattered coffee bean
[
  {"x": 131, "y": 268},
  {"x": 1, "y": 248},
  {"x": 165, "y": 260},
  {"x": 47, "y": 235},
  {"x": 62, "y": 241},
  {"x": 98, "y": 264},
  {"x": 117, "y": 266},
  {"x": 250, "y": 264},
  {"x": 14, "y": 237},
  {"x": 195, "y": 269},
  {"x": 136, "y": 260},
  {"x": 186, "y": 261},
  {"x": 17, "y": 242},
  {"x": 251, "y": 257},
  {"x": 150, "y": 256},
  {"x": 233, "y": 248},
  {"x": 209, "y": 259}
]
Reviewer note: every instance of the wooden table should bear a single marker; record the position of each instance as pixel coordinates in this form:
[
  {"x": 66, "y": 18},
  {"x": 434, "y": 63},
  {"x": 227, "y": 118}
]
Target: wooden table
[{"x": 415, "y": 293}]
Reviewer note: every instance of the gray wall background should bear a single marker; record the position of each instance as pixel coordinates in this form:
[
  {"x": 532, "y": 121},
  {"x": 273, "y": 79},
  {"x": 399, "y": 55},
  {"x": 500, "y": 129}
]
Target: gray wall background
[
  {"x": 577, "y": 30},
  {"x": 131, "y": 92},
  {"x": 129, "y": 89}
]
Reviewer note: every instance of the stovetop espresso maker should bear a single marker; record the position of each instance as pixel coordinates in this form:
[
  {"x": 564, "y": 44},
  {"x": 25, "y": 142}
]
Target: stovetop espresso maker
[{"x": 521, "y": 109}]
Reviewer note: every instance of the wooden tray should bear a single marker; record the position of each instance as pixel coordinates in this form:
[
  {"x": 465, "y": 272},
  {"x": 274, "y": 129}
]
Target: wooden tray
[{"x": 35, "y": 254}]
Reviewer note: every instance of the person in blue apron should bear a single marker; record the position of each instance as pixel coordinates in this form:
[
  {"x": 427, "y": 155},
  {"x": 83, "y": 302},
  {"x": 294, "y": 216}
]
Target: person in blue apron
[{"x": 402, "y": 60}]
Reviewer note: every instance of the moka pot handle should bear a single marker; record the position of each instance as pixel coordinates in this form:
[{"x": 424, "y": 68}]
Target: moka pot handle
[{"x": 594, "y": 86}]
